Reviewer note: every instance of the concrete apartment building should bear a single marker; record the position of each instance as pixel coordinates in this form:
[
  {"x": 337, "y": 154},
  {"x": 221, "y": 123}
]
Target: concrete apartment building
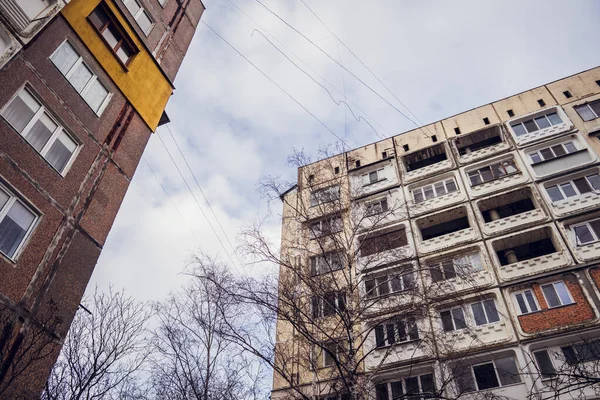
[
  {"x": 490, "y": 218},
  {"x": 83, "y": 85}
]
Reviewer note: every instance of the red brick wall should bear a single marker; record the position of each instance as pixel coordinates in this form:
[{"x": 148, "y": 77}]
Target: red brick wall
[
  {"x": 595, "y": 274},
  {"x": 545, "y": 319}
]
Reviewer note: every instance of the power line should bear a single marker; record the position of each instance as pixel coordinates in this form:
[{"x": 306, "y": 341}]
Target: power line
[
  {"x": 276, "y": 84},
  {"x": 238, "y": 9},
  {"x": 362, "y": 63},
  {"x": 196, "y": 200},
  {"x": 204, "y": 195},
  {"x": 342, "y": 66}
]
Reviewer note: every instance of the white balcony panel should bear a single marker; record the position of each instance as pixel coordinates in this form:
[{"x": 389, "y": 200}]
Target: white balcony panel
[
  {"x": 575, "y": 205},
  {"x": 484, "y": 153},
  {"x": 473, "y": 337},
  {"x": 544, "y": 133},
  {"x": 359, "y": 179},
  {"x": 433, "y": 169},
  {"x": 448, "y": 241},
  {"x": 514, "y": 222},
  {"x": 534, "y": 266}
]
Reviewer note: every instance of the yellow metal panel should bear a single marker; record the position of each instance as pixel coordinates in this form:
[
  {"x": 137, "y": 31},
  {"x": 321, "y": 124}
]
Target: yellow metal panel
[{"x": 142, "y": 83}]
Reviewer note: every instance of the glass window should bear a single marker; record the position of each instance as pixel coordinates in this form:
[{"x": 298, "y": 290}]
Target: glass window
[
  {"x": 16, "y": 221},
  {"x": 568, "y": 189},
  {"x": 542, "y": 122},
  {"x": 589, "y": 111},
  {"x": 485, "y": 312},
  {"x": 583, "y": 234},
  {"x": 554, "y": 193},
  {"x": 582, "y": 185},
  {"x": 485, "y": 376},
  {"x": 554, "y": 119},
  {"x": 535, "y": 158},
  {"x": 40, "y": 130},
  {"x": 118, "y": 42},
  {"x": 594, "y": 180},
  {"x": 530, "y": 126},
  {"x": 525, "y": 302},
  {"x": 453, "y": 319},
  {"x": 556, "y": 294},
  {"x": 507, "y": 371},
  {"x": 140, "y": 15},
  {"x": 451, "y": 185},
  {"x": 544, "y": 364},
  {"x": 519, "y": 129}
]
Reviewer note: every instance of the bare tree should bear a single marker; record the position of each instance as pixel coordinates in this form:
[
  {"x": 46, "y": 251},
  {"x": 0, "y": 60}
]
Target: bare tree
[
  {"x": 192, "y": 358},
  {"x": 103, "y": 352}
]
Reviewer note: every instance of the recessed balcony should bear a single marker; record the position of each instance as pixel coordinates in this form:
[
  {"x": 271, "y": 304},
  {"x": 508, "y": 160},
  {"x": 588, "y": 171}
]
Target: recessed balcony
[
  {"x": 446, "y": 229},
  {"x": 426, "y": 162},
  {"x": 510, "y": 211},
  {"x": 480, "y": 144},
  {"x": 529, "y": 252}
]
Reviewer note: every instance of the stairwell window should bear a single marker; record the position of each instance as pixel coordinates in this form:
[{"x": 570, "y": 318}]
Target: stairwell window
[
  {"x": 535, "y": 124},
  {"x": 16, "y": 223},
  {"x": 324, "y": 195},
  {"x": 112, "y": 34},
  {"x": 141, "y": 16},
  {"x": 587, "y": 232},
  {"x": 373, "y": 177},
  {"x": 330, "y": 304},
  {"x": 81, "y": 77},
  {"x": 393, "y": 282},
  {"x": 434, "y": 190},
  {"x": 556, "y": 294},
  {"x": 525, "y": 302},
  {"x": 573, "y": 188},
  {"x": 33, "y": 121},
  {"x": 589, "y": 111},
  {"x": 551, "y": 152},
  {"x": 398, "y": 331},
  {"x": 492, "y": 172}
]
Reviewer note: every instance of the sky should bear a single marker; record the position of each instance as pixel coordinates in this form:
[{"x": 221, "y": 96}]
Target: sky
[{"x": 235, "y": 126}]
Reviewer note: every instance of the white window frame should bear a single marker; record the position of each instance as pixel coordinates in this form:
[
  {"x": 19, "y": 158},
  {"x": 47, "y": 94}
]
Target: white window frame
[
  {"x": 587, "y": 105},
  {"x": 88, "y": 85},
  {"x": 502, "y": 165},
  {"x": 538, "y": 365},
  {"x": 590, "y": 229},
  {"x": 386, "y": 279},
  {"x": 12, "y": 198},
  {"x": 571, "y": 182},
  {"x": 540, "y": 156},
  {"x": 467, "y": 267},
  {"x": 487, "y": 318},
  {"x": 380, "y": 176},
  {"x": 407, "y": 322},
  {"x": 163, "y": 3},
  {"x": 553, "y": 284},
  {"x": 545, "y": 115},
  {"x": 139, "y": 12},
  {"x": 421, "y": 189},
  {"x": 59, "y": 129},
  {"x": 526, "y": 302},
  {"x": 334, "y": 224},
  {"x": 317, "y": 198},
  {"x": 403, "y": 385},
  {"x": 374, "y": 207},
  {"x": 493, "y": 362},
  {"x": 464, "y": 314}
]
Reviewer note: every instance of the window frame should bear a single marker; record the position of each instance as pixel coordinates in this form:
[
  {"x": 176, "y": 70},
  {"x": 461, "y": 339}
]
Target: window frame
[
  {"x": 14, "y": 197},
  {"x": 438, "y": 265},
  {"x": 335, "y": 224},
  {"x": 526, "y": 302},
  {"x": 498, "y": 379},
  {"x": 553, "y": 284},
  {"x": 374, "y": 204},
  {"x": 319, "y": 269},
  {"x": 533, "y": 119},
  {"x": 539, "y": 367},
  {"x": 591, "y": 230},
  {"x": 321, "y": 302},
  {"x": 587, "y": 105},
  {"x": 379, "y": 172},
  {"x": 409, "y": 325},
  {"x": 500, "y": 164},
  {"x": 112, "y": 21},
  {"x": 403, "y": 385},
  {"x": 317, "y": 198},
  {"x": 389, "y": 276},
  {"x": 542, "y": 158},
  {"x": 485, "y": 311},
  {"x": 571, "y": 182},
  {"x": 421, "y": 190},
  {"x": 43, "y": 110},
  {"x": 88, "y": 85},
  {"x": 454, "y": 325},
  {"x": 139, "y": 12}
]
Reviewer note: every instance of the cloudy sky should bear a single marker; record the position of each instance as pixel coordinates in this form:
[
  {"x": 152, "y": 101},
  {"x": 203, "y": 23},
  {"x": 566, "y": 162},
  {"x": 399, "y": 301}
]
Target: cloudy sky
[{"x": 235, "y": 126}]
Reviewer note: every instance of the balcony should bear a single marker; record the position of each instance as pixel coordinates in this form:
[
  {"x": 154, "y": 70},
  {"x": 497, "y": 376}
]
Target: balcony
[
  {"x": 529, "y": 252},
  {"x": 583, "y": 236},
  {"x": 379, "y": 210},
  {"x": 445, "y": 230},
  {"x": 573, "y": 194},
  {"x": 495, "y": 175},
  {"x": 385, "y": 246},
  {"x": 510, "y": 211},
  {"x": 26, "y": 17},
  {"x": 558, "y": 156},
  {"x": 434, "y": 193},
  {"x": 540, "y": 125},
  {"x": 481, "y": 144},
  {"x": 373, "y": 178},
  {"x": 389, "y": 288},
  {"x": 426, "y": 162}
]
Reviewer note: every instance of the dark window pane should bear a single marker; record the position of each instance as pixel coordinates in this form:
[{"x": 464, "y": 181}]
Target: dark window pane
[
  {"x": 547, "y": 154},
  {"x": 559, "y": 150},
  {"x": 409, "y": 280},
  {"x": 542, "y": 359},
  {"x": 436, "y": 273},
  {"x": 521, "y": 303},
  {"x": 568, "y": 189},
  {"x": 448, "y": 268},
  {"x": 485, "y": 375},
  {"x": 427, "y": 385},
  {"x": 583, "y": 235},
  {"x": 379, "y": 336},
  {"x": 475, "y": 178},
  {"x": 535, "y": 158},
  {"x": 381, "y": 391},
  {"x": 490, "y": 309},
  {"x": 507, "y": 371},
  {"x": 530, "y": 126},
  {"x": 451, "y": 185},
  {"x": 428, "y": 192},
  {"x": 519, "y": 129},
  {"x": 478, "y": 314},
  {"x": 530, "y": 300},
  {"x": 370, "y": 288},
  {"x": 98, "y": 18},
  {"x": 464, "y": 379},
  {"x": 594, "y": 180},
  {"x": 570, "y": 147},
  {"x": 413, "y": 331},
  {"x": 570, "y": 356},
  {"x": 585, "y": 112},
  {"x": 440, "y": 189},
  {"x": 554, "y": 119},
  {"x": 582, "y": 185},
  {"x": 596, "y": 227},
  {"x": 391, "y": 335},
  {"x": 373, "y": 177},
  {"x": 383, "y": 285},
  {"x": 401, "y": 331},
  {"x": 412, "y": 385},
  {"x": 396, "y": 390},
  {"x": 315, "y": 307},
  {"x": 418, "y": 195},
  {"x": 596, "y": 107},
  {"x": 542, "y": 122},
  {"x": 486, "y": 174},
  {"x": 459, "y": 318},
  {"x": 551, "y": 296},
  {"x": 396, "y": 283},
  {"x": 447, "y": 321},
  {"x": 554, "y": 193}
]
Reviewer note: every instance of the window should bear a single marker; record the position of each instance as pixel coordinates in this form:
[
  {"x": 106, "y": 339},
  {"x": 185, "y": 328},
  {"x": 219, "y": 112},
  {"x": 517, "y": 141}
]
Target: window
[
  {"x": 376, "y": 207},
  {"x": 492, "y": 172},
  {"x": 434, "y": 138},
  {"x": 407, "y": 386},
  {"x": 357, "y": 163},
  {"x": 541, "y": 102},
  {"x": 488, "y": 375},
  {"x": 28, "y": 117},
  {"x": 535, "y": 124},
  {"x": 525, "y": 302},
  {"x": 556, "y": 294},
  {"x": 105, "y": 23},
  {"x": 392, "y": 282},
  {"x": 402, "y": 330},
  {"x": 544, "y": 364},
  {"x": 453, "y": 319},
  {"x": 510, "y": 113},
  {"x": 329, "y": 262},
  {"x": 81, "y": 77},
  {"x": 451, "y": 267},
  {"x": 589, "y": 111},
  {"x": 580, "y": 353},
  {"x": 551, "y": 152},
  {"x": 587, "y": 232},
  {"x": 434, "y": 190},
  {"x": 383, "y": 242},
  {"x": 567, "y": 94},
  {"x": 325, "y": 227},
  {"x": 484, "y": 312},
  {"x": 329, "y": 304},
  {"x": 486, "y": 121},
  {"x": 326, "y": 354},
  {"x": 373, "y": 177},
  {"x": 405, "y": 147},
  {"x": 384, "y": 154},
  {"x": 16, "y": 222},
  {"x": 336, "y": 170},
  {"x": 324, "y": 195},
  {"x": 141, "y": 16},
  {"x": 457, "y": 131},
  {"x": 576, "y": 187}
]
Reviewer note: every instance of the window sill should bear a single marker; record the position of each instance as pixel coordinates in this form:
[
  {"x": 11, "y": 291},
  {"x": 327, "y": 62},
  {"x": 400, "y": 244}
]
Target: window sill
[
  {"x": 558, "y": 158},
  {"x": 496, "y": 179}
]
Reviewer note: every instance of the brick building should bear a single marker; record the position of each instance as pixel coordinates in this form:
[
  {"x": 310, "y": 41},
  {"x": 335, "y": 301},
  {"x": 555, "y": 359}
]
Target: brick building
[
  {"x": 492, "y": 216},
  {"x": 84, "y": 83}
]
